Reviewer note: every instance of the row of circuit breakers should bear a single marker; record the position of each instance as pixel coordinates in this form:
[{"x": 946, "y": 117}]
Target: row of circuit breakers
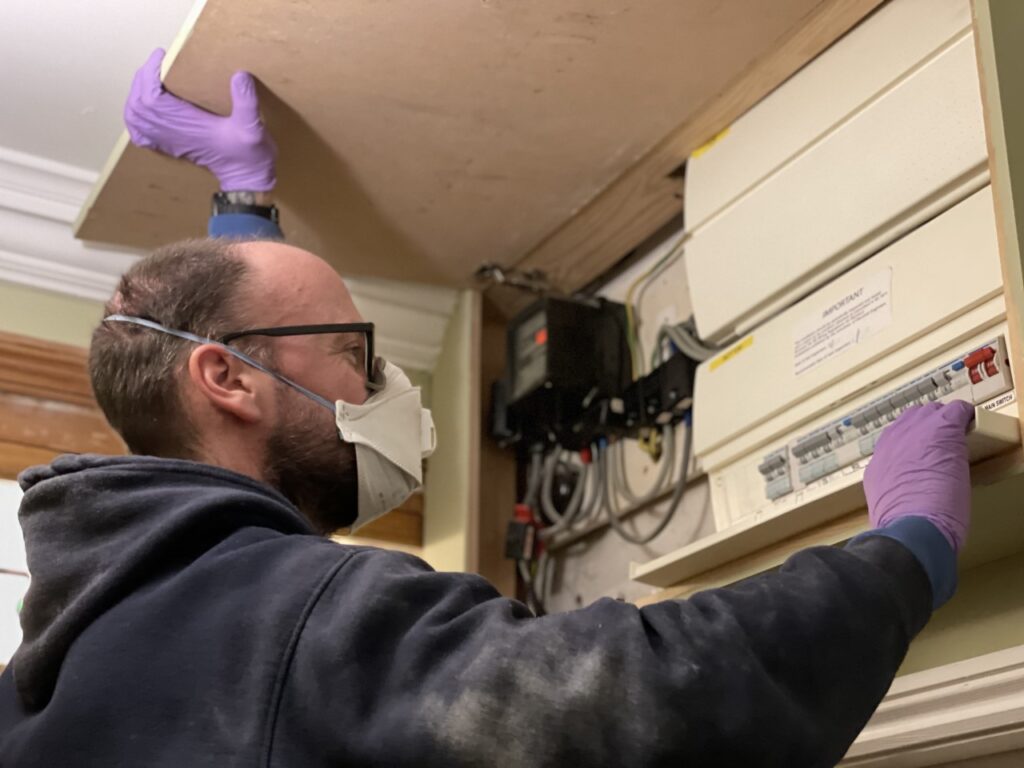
[{"x": 976, "y": 377}]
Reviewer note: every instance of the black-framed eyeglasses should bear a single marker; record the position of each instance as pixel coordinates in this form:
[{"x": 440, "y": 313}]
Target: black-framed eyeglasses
[{"x": 354, "y": 338}]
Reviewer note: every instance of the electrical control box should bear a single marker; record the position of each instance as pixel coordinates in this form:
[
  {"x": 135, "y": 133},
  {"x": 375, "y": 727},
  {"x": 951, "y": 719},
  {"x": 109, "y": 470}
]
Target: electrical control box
[
  {"x": 786, "y": 418},
  {"x": 874, "y": 137},
  {"x": 563, "y": 356},
  {"x": 978, "y": 376}
]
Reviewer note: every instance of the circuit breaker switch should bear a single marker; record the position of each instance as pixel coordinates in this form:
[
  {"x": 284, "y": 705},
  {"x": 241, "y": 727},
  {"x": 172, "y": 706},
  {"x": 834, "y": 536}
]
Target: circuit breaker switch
[
  {"x": 771, "y": 463},
  {"x": 979, "y": 357},
  {"x": 976, "y": 377}
]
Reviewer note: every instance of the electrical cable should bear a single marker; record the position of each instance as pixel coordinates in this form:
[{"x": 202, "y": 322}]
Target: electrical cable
[
  {"x": 620, "y": 478},
  {"x": 677, "y": 497},
  {"x": 564, "y": 520},
  {"x": 588, "y": 504},
  {"x": 534, "y": 481},
  {"x": 533, "y": 602},
  {"x": 681, "y": 336},
  {"x": 633, "y": 312},
  {"x": 547, "y": 505},
  {"x": 534, "y": 478},
  {"x": 663, "y": 264}
]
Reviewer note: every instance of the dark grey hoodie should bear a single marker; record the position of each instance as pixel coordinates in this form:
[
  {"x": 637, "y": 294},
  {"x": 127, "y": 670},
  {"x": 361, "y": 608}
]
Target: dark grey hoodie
[{"x": 183, "y": 615}]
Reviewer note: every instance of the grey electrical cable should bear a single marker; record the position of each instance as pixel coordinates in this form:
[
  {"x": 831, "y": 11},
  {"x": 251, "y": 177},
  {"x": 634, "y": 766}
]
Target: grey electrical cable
[
  {"x": 565, "y": 520},
  {"x": 620, "y": 478},
  {"x": 677, "y": 497},
  {"x": 532, "y": 600},
  {"x": 541, "y": 581},
  {"x": 688, "y": 342},
  {"x": 534, "y": 478},
  {"x": 674, "y": 255},
  {"x": 590, "y": 496}
]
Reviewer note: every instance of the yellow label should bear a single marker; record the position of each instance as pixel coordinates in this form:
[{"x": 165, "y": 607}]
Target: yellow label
[
  {"x": 710, "y": 143},
  {"x": 730, "y": 353}
]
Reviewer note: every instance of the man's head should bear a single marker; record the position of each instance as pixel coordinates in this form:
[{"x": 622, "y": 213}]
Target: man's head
[{"x": 175, "y": 398}]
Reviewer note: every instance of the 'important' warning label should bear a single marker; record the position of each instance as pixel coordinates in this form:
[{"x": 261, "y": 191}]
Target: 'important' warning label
[{"x": 843, "y": 323}]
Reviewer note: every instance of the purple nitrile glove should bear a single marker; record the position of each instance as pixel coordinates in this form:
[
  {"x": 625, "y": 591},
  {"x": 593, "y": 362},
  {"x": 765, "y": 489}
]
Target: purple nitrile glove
[
  {"x": 920, "y": 469},
  {"x": 238, "y": 149}
]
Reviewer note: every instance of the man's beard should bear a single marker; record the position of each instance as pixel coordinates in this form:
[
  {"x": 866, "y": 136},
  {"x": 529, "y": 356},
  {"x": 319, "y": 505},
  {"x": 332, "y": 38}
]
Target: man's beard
[{"x": 311, "y": 465}]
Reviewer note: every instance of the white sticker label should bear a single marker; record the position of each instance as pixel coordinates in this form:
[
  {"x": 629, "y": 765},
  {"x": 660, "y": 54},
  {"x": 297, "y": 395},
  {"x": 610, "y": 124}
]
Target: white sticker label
[
  {"x": 844, "y": 323},
  {"x": 1000, "y": 401}
]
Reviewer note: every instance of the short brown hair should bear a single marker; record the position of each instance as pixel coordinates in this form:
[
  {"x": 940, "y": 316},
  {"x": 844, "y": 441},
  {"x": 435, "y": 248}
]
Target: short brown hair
[{"x": 194, "y": 286}]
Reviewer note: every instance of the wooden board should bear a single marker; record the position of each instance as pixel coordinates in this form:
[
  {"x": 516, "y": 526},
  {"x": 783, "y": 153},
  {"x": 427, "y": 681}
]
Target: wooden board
[
  {"x": 419, "y": 140},
  {"x": 403, "y": 525},
  {"x": 1001, "y": 69},
  {"x": 497, "y": 486}
]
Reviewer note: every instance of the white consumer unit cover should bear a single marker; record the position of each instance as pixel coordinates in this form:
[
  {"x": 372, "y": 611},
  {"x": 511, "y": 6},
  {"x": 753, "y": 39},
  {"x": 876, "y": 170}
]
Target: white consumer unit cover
[{"x": 874, "y": 137}]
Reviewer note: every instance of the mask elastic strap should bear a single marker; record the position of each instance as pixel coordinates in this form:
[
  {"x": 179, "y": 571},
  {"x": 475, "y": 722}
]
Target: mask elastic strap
[{"x": 230, "y": 350}]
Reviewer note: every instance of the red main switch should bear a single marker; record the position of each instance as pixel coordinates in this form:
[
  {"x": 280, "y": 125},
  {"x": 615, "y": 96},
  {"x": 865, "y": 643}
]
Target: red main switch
[{"x": 980, "y": 356}]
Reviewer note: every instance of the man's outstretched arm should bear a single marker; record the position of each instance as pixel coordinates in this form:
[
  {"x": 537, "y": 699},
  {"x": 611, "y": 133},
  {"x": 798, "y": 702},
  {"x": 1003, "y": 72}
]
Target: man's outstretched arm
[
  {"x": 237, "y": 149},
  {"x": 783, "y": 669}
]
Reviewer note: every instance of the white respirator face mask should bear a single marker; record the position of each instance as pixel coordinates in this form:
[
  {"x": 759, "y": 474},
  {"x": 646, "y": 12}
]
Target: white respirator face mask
[{"x": 392, "y": 432}]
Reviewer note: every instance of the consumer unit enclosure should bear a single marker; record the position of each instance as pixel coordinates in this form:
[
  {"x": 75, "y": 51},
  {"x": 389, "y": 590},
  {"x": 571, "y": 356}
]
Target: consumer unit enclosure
[
  {"x": 875, "y": 136},
  {"x": 786, "y": 419}
]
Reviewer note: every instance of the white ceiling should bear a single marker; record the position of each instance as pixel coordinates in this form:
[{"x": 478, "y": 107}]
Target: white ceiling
[{"x": 67, "y": 67}]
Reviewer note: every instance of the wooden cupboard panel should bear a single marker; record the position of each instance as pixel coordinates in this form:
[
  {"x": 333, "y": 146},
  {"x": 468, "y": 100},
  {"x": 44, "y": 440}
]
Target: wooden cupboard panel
[
  {"x": 418, "y": 141},
  {"x": 44, "y": 370}
]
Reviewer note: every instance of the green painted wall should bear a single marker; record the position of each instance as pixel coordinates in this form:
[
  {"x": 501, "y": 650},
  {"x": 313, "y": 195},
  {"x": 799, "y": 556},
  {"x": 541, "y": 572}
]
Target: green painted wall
[
  {"x": 450, "y": 489},
  {"x": 986, "y": 615},
  {"x": 46, "y": 315}
]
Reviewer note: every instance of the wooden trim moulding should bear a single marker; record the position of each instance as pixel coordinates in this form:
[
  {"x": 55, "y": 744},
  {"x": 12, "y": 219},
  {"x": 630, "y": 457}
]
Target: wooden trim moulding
[
  {"x": 963, "y": 710},
  {"x": 997, "y": 25},
  {"x": 45, "y": 370}
]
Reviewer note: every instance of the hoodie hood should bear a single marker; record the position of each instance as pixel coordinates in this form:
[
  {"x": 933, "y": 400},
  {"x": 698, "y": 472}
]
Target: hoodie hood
[{"x": 100, "y": 527}]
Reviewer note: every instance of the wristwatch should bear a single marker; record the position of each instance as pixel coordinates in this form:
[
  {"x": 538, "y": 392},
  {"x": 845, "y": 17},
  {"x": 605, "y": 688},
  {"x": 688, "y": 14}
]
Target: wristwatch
[{"x": 243, "y": 202}]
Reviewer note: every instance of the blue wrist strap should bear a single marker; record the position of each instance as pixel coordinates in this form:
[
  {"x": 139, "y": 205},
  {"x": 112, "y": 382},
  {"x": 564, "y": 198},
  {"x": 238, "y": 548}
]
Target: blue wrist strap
[{"x": 248, "y": 225}]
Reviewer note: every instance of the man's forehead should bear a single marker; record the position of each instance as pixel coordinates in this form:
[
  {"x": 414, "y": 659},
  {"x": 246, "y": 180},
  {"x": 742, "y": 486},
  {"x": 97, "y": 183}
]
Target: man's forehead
[{"x": 291, "y": 286}]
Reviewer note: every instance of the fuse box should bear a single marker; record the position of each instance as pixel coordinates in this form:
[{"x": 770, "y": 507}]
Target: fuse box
[
  {"x": 874, "y": 137},
  {"x": 975, "y": 377}
]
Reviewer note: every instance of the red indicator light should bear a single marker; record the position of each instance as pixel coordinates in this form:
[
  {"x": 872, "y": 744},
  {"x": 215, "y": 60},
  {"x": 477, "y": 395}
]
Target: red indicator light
[{"x": 541, "y": 337}]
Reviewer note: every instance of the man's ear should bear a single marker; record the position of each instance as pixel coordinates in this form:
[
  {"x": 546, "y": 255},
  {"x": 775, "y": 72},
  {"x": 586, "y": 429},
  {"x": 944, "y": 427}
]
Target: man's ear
[{"x": 227, "y": 383}]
